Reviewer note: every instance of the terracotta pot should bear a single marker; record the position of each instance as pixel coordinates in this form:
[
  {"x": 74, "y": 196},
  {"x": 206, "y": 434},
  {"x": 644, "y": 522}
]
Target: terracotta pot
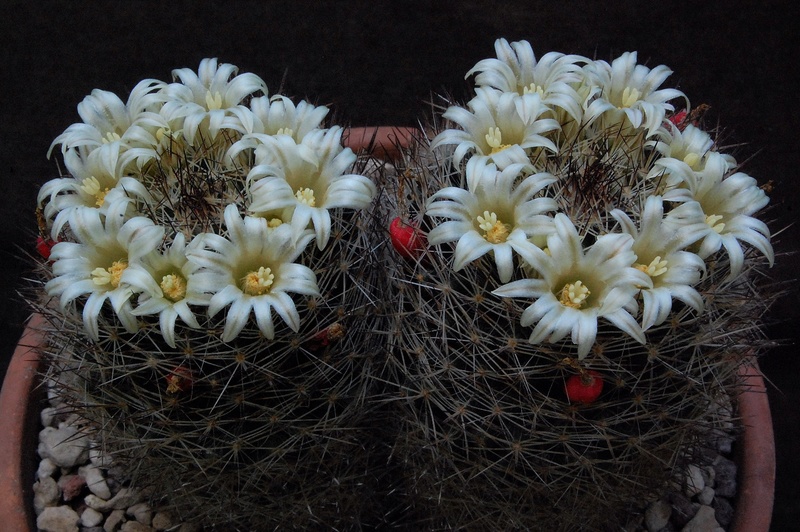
[
  {"x": 20, "y": 402},
  {"x": 384, "y": 142}
]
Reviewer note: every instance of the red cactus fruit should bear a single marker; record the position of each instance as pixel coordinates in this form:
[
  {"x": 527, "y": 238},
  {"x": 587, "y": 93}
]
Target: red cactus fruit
[
  {"x": 44, "y": 246},
  {"x": 585, "y": 387},
  {"x": 407, "y": 239},
  {"x": 180, "y": 380}
]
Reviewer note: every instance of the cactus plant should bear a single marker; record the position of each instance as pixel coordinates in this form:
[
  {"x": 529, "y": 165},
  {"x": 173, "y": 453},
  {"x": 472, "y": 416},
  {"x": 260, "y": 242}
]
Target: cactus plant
[
  {"x": 577, "y": 225},
  {"x": 534, "y": 320},
  {"x": 212, "y": 289}
]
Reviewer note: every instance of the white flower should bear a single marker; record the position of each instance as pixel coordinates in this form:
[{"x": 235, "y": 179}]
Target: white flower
[
  {"x": 628, "y": 91},
  {"x": 251, "y": 270},
  {"x": 691, "y": 146},
  {"x": 498, "y": 214},
  {"x": 499, "y": 126},
  {"x": 278, "y": 115},
  {"x": 659, "y": 246},
  {"x": 162, "y": 139},
  {"x": 94, "y": 181},
  {"x": 161, "y": 280},
  {"x": 303, "y": 181},
  {"x": 578, "y": 287},
  {"x": 107, "y": 120},
  {"x": 94, "y": 264},
  {"x": 728, "y": 204},
  {"x": 516, "y": 70},
  {"x": 203, "y": 99}
]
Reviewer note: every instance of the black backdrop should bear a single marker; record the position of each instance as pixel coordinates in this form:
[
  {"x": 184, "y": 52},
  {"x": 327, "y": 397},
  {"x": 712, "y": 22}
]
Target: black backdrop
[{"x": 377, "y": 63}]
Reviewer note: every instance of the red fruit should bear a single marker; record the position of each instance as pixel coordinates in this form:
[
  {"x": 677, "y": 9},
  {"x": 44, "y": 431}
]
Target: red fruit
[
  {"x": 44, "y": 246},
  {"x": 407, "y": 239},
  {"x": 584, "y": 388},
  {"x": 679, "y": 119},
  {"x": 330, "y": 334},
  {"x": 180, "y": 380}
]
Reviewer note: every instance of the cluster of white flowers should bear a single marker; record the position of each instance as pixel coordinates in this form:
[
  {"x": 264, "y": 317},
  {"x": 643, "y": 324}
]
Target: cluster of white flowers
[
  {"x": 193, "y": 196},
  {"x": 674, "y": 202}
]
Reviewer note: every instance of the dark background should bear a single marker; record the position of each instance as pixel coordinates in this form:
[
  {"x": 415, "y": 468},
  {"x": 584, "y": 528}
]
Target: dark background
[{"x": 378, "y": 63}]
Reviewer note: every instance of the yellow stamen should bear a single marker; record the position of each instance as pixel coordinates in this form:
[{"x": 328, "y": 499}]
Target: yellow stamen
[
  {"x": 712, "y": 220},
  {"x": 533, "y": 88},
  {"x": 213, "y": 101},
  {"x": 306, "y": 195},
  {"x": 655, "y": 268},
  {"x": 91, "y": 186},
  {"x": 630, "y": 96},
  {"x": 112, "y": 275},
  {"x": 495, "y": 231},
  {"x": 285, "y": 131},
  {"x": 257, "y": 283},
  {"x": 173, "y": 286},
  {"x": 274, "y": 222},
  {"x": 494, "y": 138},
  {"x": 111, "y": 137},
  {"x": 574, "y": 295}
]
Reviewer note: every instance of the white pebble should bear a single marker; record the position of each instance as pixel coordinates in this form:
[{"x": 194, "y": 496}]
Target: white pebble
[
  {"x": 98, "y": 457},
  {"x": 657, "y": 515},
  {"x": 114, "y": 521},
  {"x": 694, "y": 481},
  {"x": 46, "y": 469},
  {"x": 162, "y": 521},
  {"x": 91, "y": 517},
  {"x": 48, "y": 415},
  {"x": 66, "y": 446},
  {"x": 706, "y": 496},
  {"x": 58, "y": 519},
  {"x": 125, "y": 498},
  {"x": 95, "y": 481},
  {"x": 135, "y": 526},
  {"x": 141, "y": 512},
  {"x": 45, "y": 494},
  {"x": 703, "y": 521}
]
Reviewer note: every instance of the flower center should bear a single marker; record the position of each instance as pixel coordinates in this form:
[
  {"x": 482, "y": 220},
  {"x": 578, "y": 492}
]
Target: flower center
[
  {"x": 630, "y": 96},
  {"x": 173, "y": 286},
  {"x": 165, "y": 135},
  {"x": 494, "y": 138},
  {"x": 533, "y": 88},
  {"x": 110, "y": 276},
  {"x": 306, "y": 196},
  {"x": 655, "y": 268},
  {"x": 213, "y": 101},
  {"x": 692, "y": 159},
  {"x": 285, "y": 131},
  {"x": 274, "y": 222},
  {"x": 91, "y": 186},
  {"x": 258, "y": 282},
  {"x": 712, "y": 220},
  {"x": 495, "y": 231},
  {"x": 574, "y": 295},
  {"x": 111, "y": 137}
]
